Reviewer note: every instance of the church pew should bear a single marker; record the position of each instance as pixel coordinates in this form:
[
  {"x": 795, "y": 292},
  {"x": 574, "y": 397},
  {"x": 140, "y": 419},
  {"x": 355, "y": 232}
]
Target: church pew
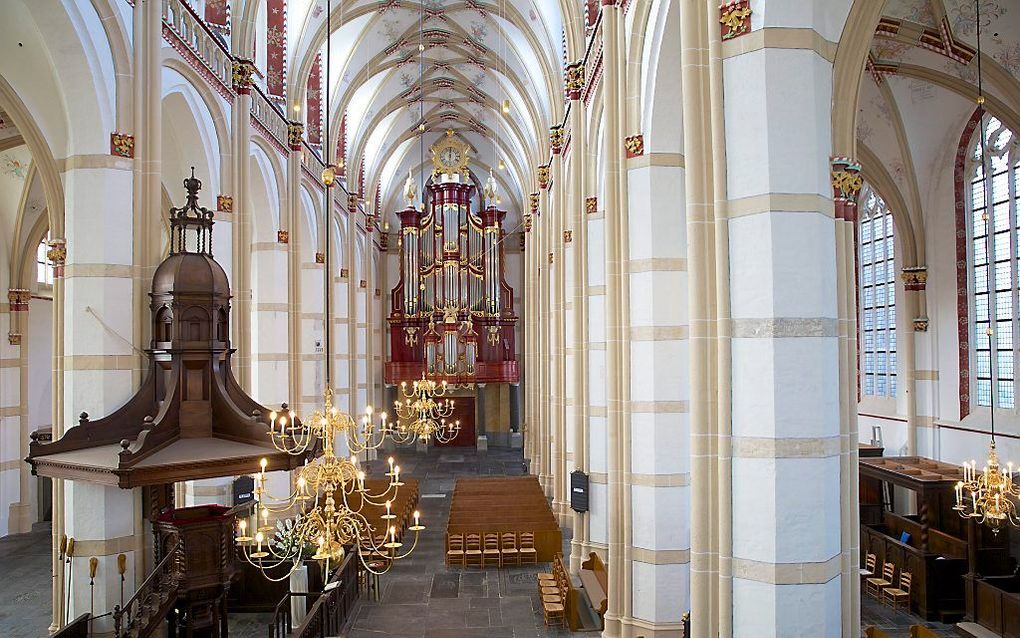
[{"x": 595, "y": 580}]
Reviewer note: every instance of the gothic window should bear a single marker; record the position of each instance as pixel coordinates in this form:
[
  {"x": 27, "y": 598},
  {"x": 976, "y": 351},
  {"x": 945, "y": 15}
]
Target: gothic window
[
  {"x": 43, "y": 265},
  {"x": 993, "y": 250},
  {"x": 877, "y": 289}
]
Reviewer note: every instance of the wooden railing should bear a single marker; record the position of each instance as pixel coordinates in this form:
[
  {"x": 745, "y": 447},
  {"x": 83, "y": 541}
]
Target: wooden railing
[
  {"x": 331, "y": 610},
  {"x": 282, "y": 623},
  {"x": 77, "y": 628},
  {"x": 146, "y": 610},
  {"x": 269, "y": 116}
]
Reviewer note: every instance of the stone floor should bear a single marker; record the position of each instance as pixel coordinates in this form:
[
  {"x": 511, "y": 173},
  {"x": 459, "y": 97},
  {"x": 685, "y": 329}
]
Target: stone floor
[
  {"x": 897, "y": 623},
  {"x": 25, "y": 597},
  {"x": 419, "y": 598}
]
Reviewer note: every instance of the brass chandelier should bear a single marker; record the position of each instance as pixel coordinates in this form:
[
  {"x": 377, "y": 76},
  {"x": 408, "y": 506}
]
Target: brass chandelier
[
  {"x": 423, "y": 413},
  {"x": 991, "y": 496},
  {"x": 327, "y": 511}
]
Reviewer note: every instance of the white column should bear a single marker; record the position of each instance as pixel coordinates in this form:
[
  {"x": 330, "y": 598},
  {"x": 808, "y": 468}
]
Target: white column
[
  {"x": 659, "y": 475},
  {"x": 786, "y": 438}
]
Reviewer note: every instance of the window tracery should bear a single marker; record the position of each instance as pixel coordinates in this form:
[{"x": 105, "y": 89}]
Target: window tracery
[{"x": 877, "y": 295}]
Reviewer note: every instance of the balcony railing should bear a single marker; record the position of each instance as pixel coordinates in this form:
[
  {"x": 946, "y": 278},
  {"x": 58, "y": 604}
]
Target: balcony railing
[{"x": 208, "y": 47}]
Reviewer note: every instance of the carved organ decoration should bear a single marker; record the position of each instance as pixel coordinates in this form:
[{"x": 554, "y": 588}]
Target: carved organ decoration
[{"x": 451, "y": 314}]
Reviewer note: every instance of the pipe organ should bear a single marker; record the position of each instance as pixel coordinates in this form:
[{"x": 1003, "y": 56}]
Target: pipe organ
[{"x": 451, "y": 313}]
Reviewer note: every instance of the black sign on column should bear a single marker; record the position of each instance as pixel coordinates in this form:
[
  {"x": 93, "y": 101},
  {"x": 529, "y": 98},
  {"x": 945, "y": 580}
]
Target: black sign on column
[{"x": 578, "y": 491}]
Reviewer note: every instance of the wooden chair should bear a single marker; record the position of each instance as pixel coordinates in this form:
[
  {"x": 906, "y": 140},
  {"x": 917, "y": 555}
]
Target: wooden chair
[
  {"x": 917, "y": 631},
  {"x": 455, "y": 549},
  {"x": 473, "y": 550},
  {"x": 491, "y": 551},
  {"x": 508, "y": 549},
  {"x": 527, "y": 551},
  {"x": 875, "y": 585},
  {"x": 896, "y": 595},
  {"x": 874, "y": 632},
  {"x": 553, "y": 613},
  {"x": 869, "y": 566}
]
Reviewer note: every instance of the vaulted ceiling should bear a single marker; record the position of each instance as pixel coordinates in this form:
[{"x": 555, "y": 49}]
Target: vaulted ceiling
[{"x": 396, "y": 65}]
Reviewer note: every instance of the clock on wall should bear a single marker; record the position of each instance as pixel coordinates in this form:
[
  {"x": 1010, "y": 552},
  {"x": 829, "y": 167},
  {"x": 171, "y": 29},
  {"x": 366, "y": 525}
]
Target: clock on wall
[{"x": 450, "y": 155}]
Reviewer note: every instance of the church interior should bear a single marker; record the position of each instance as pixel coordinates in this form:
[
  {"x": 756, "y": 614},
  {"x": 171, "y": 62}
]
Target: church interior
[{"x": 507, "y": 318}]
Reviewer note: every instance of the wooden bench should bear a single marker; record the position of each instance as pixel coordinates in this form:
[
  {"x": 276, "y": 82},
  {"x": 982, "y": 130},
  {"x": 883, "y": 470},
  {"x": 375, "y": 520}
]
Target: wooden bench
[
  {"x": 595, "y": 581},
  {"x": 875, "y": 632}
]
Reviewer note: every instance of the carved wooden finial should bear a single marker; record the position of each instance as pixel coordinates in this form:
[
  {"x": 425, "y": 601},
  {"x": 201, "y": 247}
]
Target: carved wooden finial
[{"x": 83, "y": 418}]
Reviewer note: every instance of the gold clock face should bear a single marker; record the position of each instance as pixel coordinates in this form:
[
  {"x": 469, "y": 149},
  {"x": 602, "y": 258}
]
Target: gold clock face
[
  {"x": 450, "y": 157},
  {"x": 450, "y": 154}
]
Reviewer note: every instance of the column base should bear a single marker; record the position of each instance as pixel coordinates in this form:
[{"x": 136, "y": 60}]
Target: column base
[
  {"x": 19, "y": 518},
  {"x": 482, "y": 443},
  {"x": 636, "y": 627}
]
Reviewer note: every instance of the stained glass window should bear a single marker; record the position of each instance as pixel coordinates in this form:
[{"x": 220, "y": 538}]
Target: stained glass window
[
  {"x": 877, "y": 303},
  {"x": 993, "y": 186}
]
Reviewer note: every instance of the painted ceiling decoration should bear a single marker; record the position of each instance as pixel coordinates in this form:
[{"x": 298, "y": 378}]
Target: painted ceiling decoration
[{"x": 405, "y": 71}]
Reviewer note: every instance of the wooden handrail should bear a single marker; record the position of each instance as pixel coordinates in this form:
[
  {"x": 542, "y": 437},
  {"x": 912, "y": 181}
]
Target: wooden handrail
[
  {"x": 152, "y": 598},
  {"x": 77, "y": 628}
]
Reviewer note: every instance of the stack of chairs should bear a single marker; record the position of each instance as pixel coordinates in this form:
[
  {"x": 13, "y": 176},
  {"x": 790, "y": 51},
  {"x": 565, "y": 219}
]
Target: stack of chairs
[{"x": 554, "y": 588}]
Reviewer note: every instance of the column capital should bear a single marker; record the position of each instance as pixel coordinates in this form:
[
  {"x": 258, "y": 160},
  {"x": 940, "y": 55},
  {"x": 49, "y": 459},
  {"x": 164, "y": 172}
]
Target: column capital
[
  {"x": 914, "y": 277},
  {"x": 57, "y": 255},
  {"x": 295, "y": 132},
  {"x": 846, "y": 186},
  {"x": 533, "y": 202},
  {"x": 18, "y": 299},
  {"x": 556, "y": 139},
  {"x": 634, "y": 145},
  {"x": 575, "y": 79},
  {"x": 735, "y": 18},
  {"x": 241, "y": 74},
  {"x": 542, "y": 173}
]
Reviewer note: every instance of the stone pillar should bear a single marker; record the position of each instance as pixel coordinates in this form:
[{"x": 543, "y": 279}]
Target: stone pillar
[
  {"x": 352, "y": 303},
  {"x": 617, "y": 360},
  {"x": 786, "y": 440},
  {"x": 483, "y": 440},
  {"x": 545, "y": 257},
  {"x": 658, "y": 477},
  {"x": 99, "y": 349},
  {"x": 575, "y": 217},
  {"x": 13, "y": 411},
  {"x": 846, "y": 183},
  {"x": 241, "y": 286},
  {"x": 558, "y": 321},
  {"x": 291, "y": 221}
]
